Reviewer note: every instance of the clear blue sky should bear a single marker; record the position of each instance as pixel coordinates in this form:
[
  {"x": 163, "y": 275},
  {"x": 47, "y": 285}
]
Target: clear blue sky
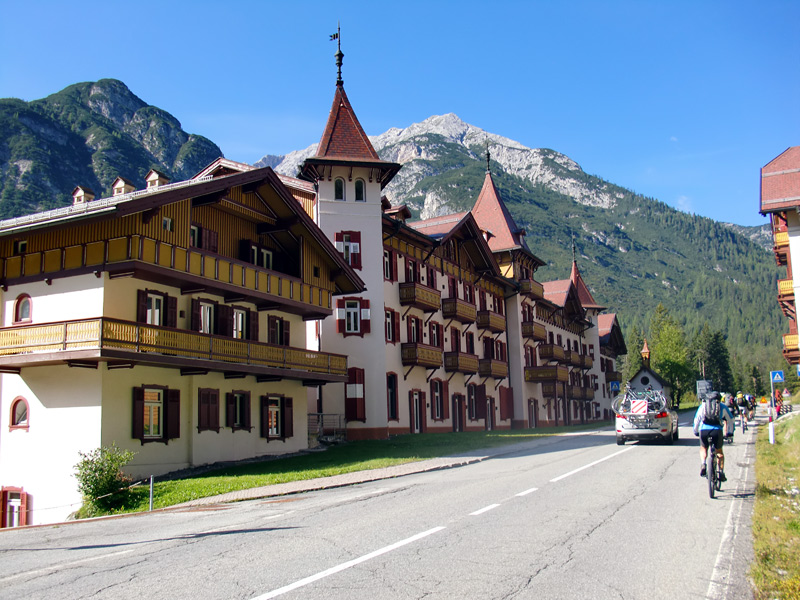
[{"x": 683, "y": 101}]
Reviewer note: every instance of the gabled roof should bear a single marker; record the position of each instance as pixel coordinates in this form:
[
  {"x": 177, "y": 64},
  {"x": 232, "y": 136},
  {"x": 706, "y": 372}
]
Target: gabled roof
[
  {"x": 563, "y": 294},
  {"x": 493, "y": 216},
  {"x": 438, "y": 226},
  {"x": 587, "y": 300},
  {"x": 611, "y": 333},
  {"x": 224, "y": 166},
  {"x": 780, "y": 182}
]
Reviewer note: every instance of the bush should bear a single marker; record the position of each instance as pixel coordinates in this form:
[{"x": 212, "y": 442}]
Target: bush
[{"x": 101, "y": 481}]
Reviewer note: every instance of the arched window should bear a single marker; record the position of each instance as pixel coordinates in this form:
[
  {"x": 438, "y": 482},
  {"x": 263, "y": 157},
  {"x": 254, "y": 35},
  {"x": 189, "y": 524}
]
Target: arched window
[
  {"x": 19, "y": 414},
  {"x": 338, "y": 189},
  {"x": 360, "y": 194},
  {"x": 22, "y": 309}
]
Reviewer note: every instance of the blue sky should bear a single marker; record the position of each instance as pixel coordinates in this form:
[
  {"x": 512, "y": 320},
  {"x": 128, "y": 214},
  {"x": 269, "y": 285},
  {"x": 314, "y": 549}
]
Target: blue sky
[{"x": 681, "y": 101}]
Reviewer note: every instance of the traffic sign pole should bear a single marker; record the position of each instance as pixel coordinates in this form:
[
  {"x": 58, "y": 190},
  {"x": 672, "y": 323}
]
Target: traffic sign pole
[{"x": 774, "y": 377}]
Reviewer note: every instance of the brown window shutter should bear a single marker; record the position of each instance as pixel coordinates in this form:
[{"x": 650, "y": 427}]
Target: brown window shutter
[
  {"x": 365, "y": 323},
  {"x": 213, "y": 408},
  {"x": 288, "y": 418},
  {"x": 423, "y": 419},
  {"x": 433, "y": 400},
  {"x": 202, "y": 410},
  {"x": 195, "y": 324},
  {"x": 396, "y": 319},
  {"x": 138, "y": 414},
  {"x": 264, "y": 415},
  {"x": 253, "y": 325},
  {"x": 172, "y": 311},
  {"x": 230, "y": 410},
  {"x": 394, "y": 265},
  {"x": 224, "y": 320},
  {"x": 173, "y": 416},
  {"x": 409, "y": 329},
  {"x": 209, "y": 240},
  {"x": 141, "y": 306},
  {"x": 480, "y": 401},
  {"x": 286, "y": 336},
  {"x": 445, "y": 401},
  {"x": 246, "y": 413},
  {"x": 272, "y": 329}
]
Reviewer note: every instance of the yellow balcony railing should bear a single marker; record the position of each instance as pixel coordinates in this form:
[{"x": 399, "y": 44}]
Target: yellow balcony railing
[
  {"x": 459, "y": 310},
  {"x": 460, "y": 362},
  {"x": 491, "y": 320},
  {"x": 419, "y": 296},
  {"x": 549, "y": 373},
  {"x": 785, "y": 288},
  {"x": 491, "y": 367},
  {"x": 781, "y": 239},
  {"x": 551, "y": 352},
  {"x": 114, "y": 334},
  {"x": 421, "y": 355},
  {"x": 533, "y": 330},
  {"x": 790, "y": 341},
  {"x": 532, "y": 288}
]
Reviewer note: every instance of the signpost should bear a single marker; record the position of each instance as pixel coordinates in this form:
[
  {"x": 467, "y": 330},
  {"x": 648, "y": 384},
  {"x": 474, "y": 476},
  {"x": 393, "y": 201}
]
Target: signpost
[{"x": 774, "y": 377}]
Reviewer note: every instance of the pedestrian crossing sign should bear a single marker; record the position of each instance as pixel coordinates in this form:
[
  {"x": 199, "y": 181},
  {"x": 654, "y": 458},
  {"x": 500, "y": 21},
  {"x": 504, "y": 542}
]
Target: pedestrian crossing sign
[{"x": 776, "y": 376}]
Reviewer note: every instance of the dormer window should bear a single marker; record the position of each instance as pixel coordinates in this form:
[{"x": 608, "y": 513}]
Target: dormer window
[
  {"x": 360, "y": 195},
  {"x": 338, "y": 189}
]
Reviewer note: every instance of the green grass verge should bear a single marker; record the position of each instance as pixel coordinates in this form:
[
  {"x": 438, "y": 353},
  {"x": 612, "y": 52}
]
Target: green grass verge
[
  {"x": 776, "y": 517},
  {"x": 336, "y": 460}
]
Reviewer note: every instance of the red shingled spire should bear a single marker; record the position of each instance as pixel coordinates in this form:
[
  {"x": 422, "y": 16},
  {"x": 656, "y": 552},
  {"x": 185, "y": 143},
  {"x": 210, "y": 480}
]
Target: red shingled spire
[
  {"x": 492, "y": 215},
  {"x": 586, "y": 298},
  {"x": 343, "y": 136}
]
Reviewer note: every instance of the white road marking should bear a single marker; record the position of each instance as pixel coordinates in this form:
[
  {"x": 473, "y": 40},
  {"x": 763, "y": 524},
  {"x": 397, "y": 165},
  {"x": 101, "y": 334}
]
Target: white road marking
[
  {"x": 346, "y": 565},
  {"x": 526, "y": 492},
  {"x": 64, "y": 565},
  {"x": 597, "y": 462},
  {"x": 483, "y": 510}
]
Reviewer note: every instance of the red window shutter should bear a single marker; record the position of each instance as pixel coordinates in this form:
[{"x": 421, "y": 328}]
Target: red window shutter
[
  {"x": 172, "y": 311},
  {"x": 355, "y": 257},
  {"x": 365, "y": 323},
  {"x": 23, "y": 508},
  {"x": 409, "y": 329},
  {"x": 141, "y": 306},
  {"x": 340, "y": 315},
  {"x": 253, "y": 326},
  {"x": 423, "y": 419},
  {"x": 503, "y": 403},
  {"x": 451, "y": 287},
  {"x": 288, "y": 418},
  {"x": 396, "y": 319},
  {"x": 480, "y": 401},
  {"x": 173, "y": 416},
  {"x": 394, "y": 265},
  {"x": 433, "y": 400},
  {"x": 230, "y": 410},
  {"x": 138, "y": 414},
  {"x": 264, "y": 402},
  {"x": 445, "y": 401},
  {"x": 195, "y": 324}
]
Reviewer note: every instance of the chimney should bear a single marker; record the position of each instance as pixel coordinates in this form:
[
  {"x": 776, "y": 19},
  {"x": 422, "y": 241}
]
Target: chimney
[
  {"x": 155, "y": 178},
  {"x": 81, "y": 195},
  {"x": 121, "y": 186}
]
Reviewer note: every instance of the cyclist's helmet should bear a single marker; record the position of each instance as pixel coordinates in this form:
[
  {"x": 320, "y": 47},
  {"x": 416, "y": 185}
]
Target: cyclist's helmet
[{"x": 713, "y": 396}]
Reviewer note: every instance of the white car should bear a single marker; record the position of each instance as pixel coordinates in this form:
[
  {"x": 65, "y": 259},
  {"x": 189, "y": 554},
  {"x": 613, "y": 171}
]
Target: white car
[{"x": 645, "y": 416}]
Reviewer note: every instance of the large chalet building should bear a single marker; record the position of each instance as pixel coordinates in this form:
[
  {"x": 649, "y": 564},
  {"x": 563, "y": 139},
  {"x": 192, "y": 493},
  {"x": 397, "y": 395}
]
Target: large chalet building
[
  {"x": 780, "y": 200},
  {"x": 205, "y": 320}
]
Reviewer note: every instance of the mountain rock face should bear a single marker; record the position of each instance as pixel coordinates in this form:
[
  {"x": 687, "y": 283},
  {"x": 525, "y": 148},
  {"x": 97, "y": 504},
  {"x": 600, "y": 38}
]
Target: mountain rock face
[{"x": 88, "y": 134}]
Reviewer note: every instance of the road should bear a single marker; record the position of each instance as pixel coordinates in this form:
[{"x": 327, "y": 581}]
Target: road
[{"x": 569, "y": 517}]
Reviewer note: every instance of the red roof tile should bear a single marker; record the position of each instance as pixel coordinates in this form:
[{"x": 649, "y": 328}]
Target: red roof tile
[
  {"x": 780, "y": 181},
  {"x": 343, "y": 136},
  {"x": 437, "y": 225},
  {"x": 493, "y": 216},
  {"x": 587, "y": 301}
]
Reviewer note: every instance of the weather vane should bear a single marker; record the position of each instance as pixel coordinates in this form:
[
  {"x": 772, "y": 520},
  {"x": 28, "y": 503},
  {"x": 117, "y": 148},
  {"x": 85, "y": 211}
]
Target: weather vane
[
  {"x": 339, "y": 54},
  {"x": 488, "y": 169}
]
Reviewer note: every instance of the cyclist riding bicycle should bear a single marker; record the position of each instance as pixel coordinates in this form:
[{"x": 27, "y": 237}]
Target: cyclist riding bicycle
[
  {"x": 708, "y": 424},
  {"x": 743, "y": 405}
]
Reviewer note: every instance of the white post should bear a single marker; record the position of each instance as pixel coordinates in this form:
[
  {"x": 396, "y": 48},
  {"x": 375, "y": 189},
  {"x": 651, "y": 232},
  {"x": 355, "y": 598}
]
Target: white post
[
  {"x": 151, "y": 492},
  {"x": 771, "y": 404}
]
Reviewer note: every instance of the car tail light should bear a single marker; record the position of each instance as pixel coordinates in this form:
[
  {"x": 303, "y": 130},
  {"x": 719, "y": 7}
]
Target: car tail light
[
  {"x": 662, "y": 415},
  {"x": 622, "y": 416}
]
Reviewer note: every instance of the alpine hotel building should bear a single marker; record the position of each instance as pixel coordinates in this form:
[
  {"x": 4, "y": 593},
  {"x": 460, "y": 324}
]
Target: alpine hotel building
[{"x": 204, "y": 320}]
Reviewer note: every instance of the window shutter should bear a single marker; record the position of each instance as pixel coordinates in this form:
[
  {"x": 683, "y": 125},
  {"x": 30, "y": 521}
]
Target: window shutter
[
  {"x": 285, "y": 338},
  {"x": 138, "y": 414},
  {"x": 213, "y": 408},
  {"x": 423, "y": 420},
  {"x": 480, "y": 401},
  {"x": 433, "y": 401},
  {"x": 224, "y": 320},
  {"x": 396, "y": 319},
  {"x": 445, "y": 400},
  {"x": 394, "y": 265},
  {"x": 272, "y": 329},
  {"x": 246, "y": 413},
  {"x": 264, "y": 417},
  {"x": 253, "y": 325},
  {"x": 172, "y": 311},
  {"x": 339, "y": 315},
  {"x": 245, "y": 247},
  {"x": 230, "y": 410},
  {"x": 141, "y": 306},
  {"x": 195, "y": 324},
  {"x": 23, "y": 508},
  {"x": 173, "y": 416},
  {"x": 288, "y": 418},
  {"x": 202, "y": 410},
  {"x": 210, "y": 240},
  {"x": 338, "y": 242},
  {"x": 355, "y": 249},
  {"x": 409, "y": 329},
  {"x": 365, "y": 323}
]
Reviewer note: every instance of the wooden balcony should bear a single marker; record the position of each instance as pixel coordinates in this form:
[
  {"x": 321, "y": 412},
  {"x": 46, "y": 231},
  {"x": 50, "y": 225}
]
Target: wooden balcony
[
  {"x": 586, "y": 361},
  {"x": 460, "y": 362},
  {"x": 187, "y": 268},
  {"x": 781, "y": 247},
  {"x": 90, "y": 341},
  {"x": 791, "y": 350},
  {"x": 532, "y": 288},
  {"x": 419, "y": 296},
  {"x": 551, "y": 389},
  {"x": 421, "y": 355},
  {"x": 579, "y": 392},
  {"x": 551, "y": 352},
  {"x": 491, "y": 367},
  {"x": 781, "y": 239},
  {"x": 550, "y": 373},
  {"x": 459, "y": 310},
  {"x": 613, "y": 376},
  {"x": 491, "y": 321},
  {"x": 572, "y": 358},
  {"x": 785, "y": 289},
  {"x": 534, "y": 331}
]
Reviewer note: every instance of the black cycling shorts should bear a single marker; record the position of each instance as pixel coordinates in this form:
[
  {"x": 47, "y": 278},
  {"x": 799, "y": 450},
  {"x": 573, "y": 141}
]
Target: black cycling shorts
[{"x": 707, "y": 433}]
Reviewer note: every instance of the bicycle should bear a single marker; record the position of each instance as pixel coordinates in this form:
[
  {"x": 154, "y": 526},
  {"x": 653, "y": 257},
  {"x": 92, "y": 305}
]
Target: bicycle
[
  {"x": 743, "y": 417},
  {"x": 712, "y": 469}
]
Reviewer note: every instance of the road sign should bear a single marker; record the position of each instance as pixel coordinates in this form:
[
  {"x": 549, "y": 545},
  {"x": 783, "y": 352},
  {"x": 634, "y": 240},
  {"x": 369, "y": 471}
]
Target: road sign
[
  {"x": 776, "y": 376},
  {"x": 615, "y": 385}
]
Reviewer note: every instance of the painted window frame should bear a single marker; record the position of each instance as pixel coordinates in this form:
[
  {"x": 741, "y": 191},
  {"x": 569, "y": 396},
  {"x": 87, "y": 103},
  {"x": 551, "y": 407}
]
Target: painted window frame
[
  {"x": 362, "y": 188},
  {"x": 170, "y": 399},
  {"x": 277, "y": 417},
  {"x": 22, "y": 300},
  {"x": 13, "y": 423},
  {"x": 339, "y": 190}
]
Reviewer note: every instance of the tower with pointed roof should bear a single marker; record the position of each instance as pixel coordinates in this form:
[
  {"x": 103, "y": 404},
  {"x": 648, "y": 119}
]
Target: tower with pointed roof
[{"x": 349, "y": 176}]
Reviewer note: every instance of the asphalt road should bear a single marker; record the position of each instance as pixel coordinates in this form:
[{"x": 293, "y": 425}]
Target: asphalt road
[{"x": 571, "y": 517}]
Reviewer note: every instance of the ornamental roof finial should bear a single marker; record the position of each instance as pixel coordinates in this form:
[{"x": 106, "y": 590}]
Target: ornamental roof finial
[{"x": 339, "y": 54}]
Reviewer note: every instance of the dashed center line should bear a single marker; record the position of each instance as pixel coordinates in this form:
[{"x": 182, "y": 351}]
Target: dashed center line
[
  {"x": 483, "y": 510},
  {"x": 526, "y": 492},
  {"x": 597, "y": 462}
]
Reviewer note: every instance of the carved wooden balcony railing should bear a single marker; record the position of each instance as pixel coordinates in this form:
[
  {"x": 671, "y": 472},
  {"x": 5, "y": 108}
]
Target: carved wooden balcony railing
[
  {"x": 548, "y": 373},
  {"x": 781, "y": 239},
  {"x": 551, "y": 352},
  {"x": 421, "y": 355},
  {"x": 419, "y": 296},
  {"x": 785, "y": 289},
  {"x": 572, "y": 358},
  {"x": 114, "y": 339},
  {"x": 460, "y": 362},
  {"x": 532, "y": 288},
  {"x": 490, "y": 320},
  {"x": 491, "y": 367},
  {"x": 613, "y": 376},
  {"x": 534, "y": 331},
  {"x": 586, "y": 361},
  {"x": 579, "y": 392},
  {"x": 459, "y": 310}
]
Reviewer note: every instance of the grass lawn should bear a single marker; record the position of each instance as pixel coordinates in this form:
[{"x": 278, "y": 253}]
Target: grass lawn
[
  {"x": 776, "y": 517},
  {"x": 336, "y": 460}
]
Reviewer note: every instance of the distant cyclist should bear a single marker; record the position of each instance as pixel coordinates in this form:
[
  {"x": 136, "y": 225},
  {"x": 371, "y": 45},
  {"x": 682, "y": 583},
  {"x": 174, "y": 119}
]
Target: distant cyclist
[
  {"x": 708, "y": 424},
  {"x": 743, "y": 405}
]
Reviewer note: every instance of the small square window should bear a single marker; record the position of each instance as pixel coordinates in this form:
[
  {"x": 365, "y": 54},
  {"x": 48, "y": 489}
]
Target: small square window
[
  {"x": 20, "y": 246},
  {"x": 316, "y": 271},
  {"x": 167, "y": 224}
]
